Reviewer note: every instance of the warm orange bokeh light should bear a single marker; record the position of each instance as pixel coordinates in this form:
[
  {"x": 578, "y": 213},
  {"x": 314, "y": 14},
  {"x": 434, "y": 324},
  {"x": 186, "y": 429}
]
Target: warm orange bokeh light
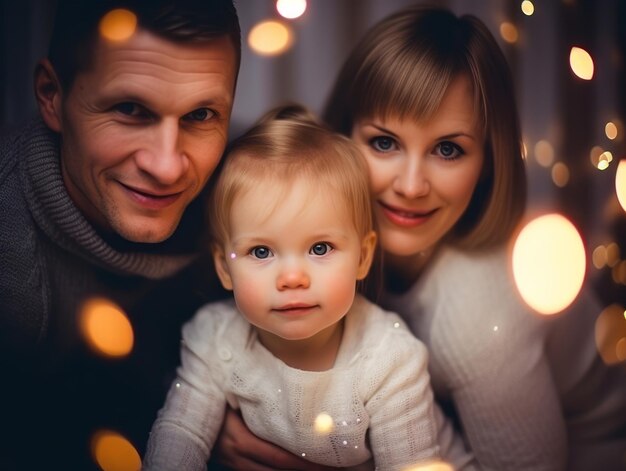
[
  {"x": 549, "y": 263},
  {"x": 611, "y": 334},
  {"x": 581, "y": 63},
  {"x": 113, "y": 452},
  {"x": 432, "y": 466},
  {"x": 509, "y": 33},
  {"x": 620, "y": 183},
  {"x": 270, "y": 38},
  {"x": 118, "y": 25},
  {"x": 106, "y": 328},
  {"x": 324, "y": 424}
]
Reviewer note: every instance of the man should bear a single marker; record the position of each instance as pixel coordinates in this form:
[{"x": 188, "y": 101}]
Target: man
[{"x": 101, "y": 197}]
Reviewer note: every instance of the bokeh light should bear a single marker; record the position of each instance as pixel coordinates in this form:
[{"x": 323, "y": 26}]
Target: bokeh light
[
  {"x": 509, "y": 33},
  {"x": 612, "y": 254},
  {"x": 528, "y": 8},
  {"x": 599, "y": 257},
  {"x": 544, "y": 153},
  {"x": 581, "y": 63},
  {"x": 610, "y": 334},
  {"x": 604, "y": 160},
  {"x": 431, "y": 466},
  {"x": 549, "y": 263},
  {"x": 113, "y": 452},
  {"x": 620, "y": 183},
  {"x": 106, "y": 328},
  {"x": 291, "y": 9},
  {"x": 619, "y": 272},
  {"x": 270, "y": 38},
  {"x": 324, "y": 424},
  {"x": 560, "y": 174},
  {"x": 118, "y": 25},
  {"x": 594, "y": 155},
  {"x": 611, "y": 131}
]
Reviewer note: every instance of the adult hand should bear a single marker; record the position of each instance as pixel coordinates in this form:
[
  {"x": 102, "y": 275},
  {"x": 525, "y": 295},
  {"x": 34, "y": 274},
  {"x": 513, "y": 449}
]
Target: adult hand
[{"x": 239, "y": 449}]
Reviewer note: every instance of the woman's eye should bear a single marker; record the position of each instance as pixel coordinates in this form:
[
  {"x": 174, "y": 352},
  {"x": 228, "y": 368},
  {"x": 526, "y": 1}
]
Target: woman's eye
[
  {"x": 201, "y": 114},
  {"x": 382, "y": 143},
  {"x": 321, "y": 248},
  {"x": 260, "y": 252},
  {"x": 449, "y": 150}
]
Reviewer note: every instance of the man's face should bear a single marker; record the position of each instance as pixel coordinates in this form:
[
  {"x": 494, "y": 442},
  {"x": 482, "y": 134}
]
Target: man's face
[{"x": 143, "y": 129}]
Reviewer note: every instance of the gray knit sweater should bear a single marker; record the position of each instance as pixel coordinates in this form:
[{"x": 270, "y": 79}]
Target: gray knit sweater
[
  {"x": 55, "y": 392},
  {"x": 52, "y": 259}
]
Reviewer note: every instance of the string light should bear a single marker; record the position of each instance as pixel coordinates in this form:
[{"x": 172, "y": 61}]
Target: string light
[
  {"x": 270, "y": 38},
  {"x": 581, "y": 63},
  {"x": 113, "y": 452},
  {"x": 509, "y": 33},
  {"x": 118, "y": 24},
  {"x": 528, "y": 8},
  {"x": 291, "y": 9}
]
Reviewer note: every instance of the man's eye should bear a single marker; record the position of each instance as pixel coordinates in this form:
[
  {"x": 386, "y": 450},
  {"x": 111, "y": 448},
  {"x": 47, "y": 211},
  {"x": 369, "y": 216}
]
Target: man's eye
[
  {"x": 261, "y": 252},
  {"x": 130, "y": 109},
  {"x": 201, "y": 114},
  {"x": 382, "y": 143},
  {"x": 321, "y": 248}
]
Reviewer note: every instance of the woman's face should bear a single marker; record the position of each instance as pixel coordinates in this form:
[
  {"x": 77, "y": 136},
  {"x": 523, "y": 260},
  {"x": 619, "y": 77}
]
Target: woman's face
[{"x": 423, "y": 174}]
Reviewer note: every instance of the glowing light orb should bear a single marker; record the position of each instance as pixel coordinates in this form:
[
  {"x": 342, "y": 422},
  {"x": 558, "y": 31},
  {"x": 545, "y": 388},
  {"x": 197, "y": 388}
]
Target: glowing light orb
[
  {"x": 560, "y": 174},
  {"x": 118, "y": 25},
  {"x": 610, "y": 334},
  {"x": 599, "y": 257},
  {"x": 324, "y": 424},
  {"x": 113, "y": 452},
  {"x": 581, "y": 63},
  {"x": 544, "y": 153},
  {"x": 549, "y": 263},
  {"x": 611, "y": 131},
  {"x": 291, "y": 9},
  {"x": 620, "y": 183},
  {"x": 106, "y": 328},
  {"x": 270, "y": 38},
  {"x": 528, "y": 8},
  {"x": 509, "y": 33},
  {"x": 432, "y": 466}
]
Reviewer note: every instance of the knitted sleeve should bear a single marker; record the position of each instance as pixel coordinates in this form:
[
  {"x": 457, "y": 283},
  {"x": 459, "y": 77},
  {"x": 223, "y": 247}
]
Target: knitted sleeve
[
  {"x": 186, "y": 427},
  {"x": 403, "y": 427},
  {"x": 488, "y": 350}
]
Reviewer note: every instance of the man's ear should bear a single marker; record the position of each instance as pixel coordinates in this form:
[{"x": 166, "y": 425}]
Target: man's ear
[
  {"x": 48, "y": 94},
  {"x": 221, "y": 267},
  {"x": 368, "y": 248}
]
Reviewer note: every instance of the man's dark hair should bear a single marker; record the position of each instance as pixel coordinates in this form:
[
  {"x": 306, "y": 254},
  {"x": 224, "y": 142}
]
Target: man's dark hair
[{"x": 75, "y": 30}]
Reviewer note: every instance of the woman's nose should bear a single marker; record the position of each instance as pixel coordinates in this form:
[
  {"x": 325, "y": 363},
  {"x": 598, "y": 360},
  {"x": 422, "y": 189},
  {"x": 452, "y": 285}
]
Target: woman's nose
[{"x": 412, "y": 180}]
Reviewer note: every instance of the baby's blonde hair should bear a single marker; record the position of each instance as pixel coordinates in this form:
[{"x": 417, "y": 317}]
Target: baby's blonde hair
[{"x": 286, "y": 146}]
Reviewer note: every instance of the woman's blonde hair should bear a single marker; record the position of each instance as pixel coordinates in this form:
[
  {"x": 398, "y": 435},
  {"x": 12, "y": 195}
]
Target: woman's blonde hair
[
  {"x": 288, "y": 146},
  {"x": 403, "y": 67}
]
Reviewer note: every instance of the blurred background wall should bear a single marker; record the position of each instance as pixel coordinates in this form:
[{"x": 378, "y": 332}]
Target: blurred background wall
[{"x": 573, "y": 128}]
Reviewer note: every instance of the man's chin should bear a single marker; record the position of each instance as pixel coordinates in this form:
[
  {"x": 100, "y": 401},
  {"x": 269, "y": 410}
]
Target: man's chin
[{"x": 146, "y": 234}]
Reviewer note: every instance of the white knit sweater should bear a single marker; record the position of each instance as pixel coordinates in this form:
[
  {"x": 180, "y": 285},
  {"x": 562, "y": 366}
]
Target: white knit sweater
[
  {"x": 378, "y": 395},
  {"x": 530, "y": 391}
]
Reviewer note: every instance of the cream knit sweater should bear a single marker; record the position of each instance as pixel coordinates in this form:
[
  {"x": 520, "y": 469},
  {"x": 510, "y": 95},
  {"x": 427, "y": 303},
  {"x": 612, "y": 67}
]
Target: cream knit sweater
[
  {"x": 377, "y": 394},
  {"x": 531, "y": 391}
]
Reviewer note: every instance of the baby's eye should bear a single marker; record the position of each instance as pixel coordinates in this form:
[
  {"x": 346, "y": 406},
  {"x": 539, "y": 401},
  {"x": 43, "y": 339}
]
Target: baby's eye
[
  {"x": 383, "y": 143},
  {"x": 321, "y": 248},
  {"x": 261, "y": 252},
  {"x": 449, "y": 150}
]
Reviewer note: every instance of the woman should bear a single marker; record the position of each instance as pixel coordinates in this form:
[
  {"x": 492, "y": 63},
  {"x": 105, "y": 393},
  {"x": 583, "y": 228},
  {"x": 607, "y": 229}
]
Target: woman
[{"x": 429, "y": 98}]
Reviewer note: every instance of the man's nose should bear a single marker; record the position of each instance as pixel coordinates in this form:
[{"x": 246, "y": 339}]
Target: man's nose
[{"x": 163, "y": 158}]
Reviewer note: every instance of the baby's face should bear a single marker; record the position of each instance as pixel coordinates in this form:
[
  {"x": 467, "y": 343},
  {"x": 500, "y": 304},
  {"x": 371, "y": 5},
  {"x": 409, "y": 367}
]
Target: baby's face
[{"x": 293, "y": 259}]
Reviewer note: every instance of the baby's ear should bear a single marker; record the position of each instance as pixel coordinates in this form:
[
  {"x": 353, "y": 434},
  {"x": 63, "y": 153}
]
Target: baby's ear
[
  {"x": 221, "y": 267},
  {"x": 368, "y": 247}
]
